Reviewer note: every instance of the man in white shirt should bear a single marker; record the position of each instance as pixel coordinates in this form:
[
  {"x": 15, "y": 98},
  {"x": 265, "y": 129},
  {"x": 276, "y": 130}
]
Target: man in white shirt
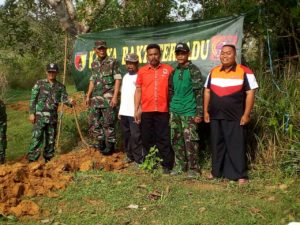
[{"x": 130, "y": 129}]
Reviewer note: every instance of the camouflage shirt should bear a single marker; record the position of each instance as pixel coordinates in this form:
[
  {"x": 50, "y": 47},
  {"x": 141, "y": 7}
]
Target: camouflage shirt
[
  {"x": 45, "y": 98},
  {"x": 104, "y": 74},
  {"x": 197, "y": 85},
  {"x": 3, "y": 116}
]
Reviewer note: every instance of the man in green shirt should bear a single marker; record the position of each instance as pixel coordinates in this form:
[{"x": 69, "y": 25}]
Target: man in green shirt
[{"x": 185, "y": 91}]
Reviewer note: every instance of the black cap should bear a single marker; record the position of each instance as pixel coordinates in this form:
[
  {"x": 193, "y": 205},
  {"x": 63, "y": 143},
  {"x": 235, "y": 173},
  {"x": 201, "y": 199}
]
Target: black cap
[
  {"x": 100, "y": 44},
  {"x": 52, "y": 67},
  {"x": 182, "y": 47}
]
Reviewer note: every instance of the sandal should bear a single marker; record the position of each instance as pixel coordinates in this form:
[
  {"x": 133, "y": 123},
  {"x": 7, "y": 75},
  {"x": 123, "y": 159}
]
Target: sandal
[
  {"x": 210, "y": 177},
  {"x": 243, "y": 181}
]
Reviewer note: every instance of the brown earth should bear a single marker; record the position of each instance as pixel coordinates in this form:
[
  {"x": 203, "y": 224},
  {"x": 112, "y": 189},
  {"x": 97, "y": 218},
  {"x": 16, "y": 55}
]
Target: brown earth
[{"x": 22, "y": 179}]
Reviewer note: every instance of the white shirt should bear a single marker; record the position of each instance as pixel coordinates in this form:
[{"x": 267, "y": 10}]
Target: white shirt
[{"x": 127, "y": 95}]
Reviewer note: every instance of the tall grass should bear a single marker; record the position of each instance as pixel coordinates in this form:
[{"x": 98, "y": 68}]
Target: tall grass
[{"x": 275, "y": 128}]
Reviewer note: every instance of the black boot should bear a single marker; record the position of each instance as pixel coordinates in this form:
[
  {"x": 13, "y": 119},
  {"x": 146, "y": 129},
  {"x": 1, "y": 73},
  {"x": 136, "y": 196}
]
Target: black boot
[
  {"x": 109, "y": 149},
  {"x": 101, "y": 145},
  {"x": 2, "y": 160}
]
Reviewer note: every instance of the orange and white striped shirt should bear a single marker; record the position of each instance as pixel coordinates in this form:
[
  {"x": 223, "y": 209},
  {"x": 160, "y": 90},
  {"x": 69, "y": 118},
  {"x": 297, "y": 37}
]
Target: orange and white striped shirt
[{"x": 228, "y": 91}]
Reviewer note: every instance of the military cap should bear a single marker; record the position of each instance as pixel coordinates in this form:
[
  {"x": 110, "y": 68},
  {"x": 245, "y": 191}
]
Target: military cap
[
  {"x": 100, "y": 44},
  {"x": 182, "y": 47},
  {"x": 52, "y": 67},
  {"x": 131, "y": 57}
]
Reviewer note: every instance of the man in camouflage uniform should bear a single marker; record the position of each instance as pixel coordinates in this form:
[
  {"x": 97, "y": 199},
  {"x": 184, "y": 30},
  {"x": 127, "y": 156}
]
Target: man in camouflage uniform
[
  {"x": 185, "y": 91},
  {"x": 102, "y": 98},
  {"x": 46, "y": 94},
  {"x": 3, "y": 126}
]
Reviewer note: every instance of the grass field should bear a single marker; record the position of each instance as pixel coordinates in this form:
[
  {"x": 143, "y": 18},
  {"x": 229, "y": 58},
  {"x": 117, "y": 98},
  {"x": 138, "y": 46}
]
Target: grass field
[{"x": 135, "y": 197}]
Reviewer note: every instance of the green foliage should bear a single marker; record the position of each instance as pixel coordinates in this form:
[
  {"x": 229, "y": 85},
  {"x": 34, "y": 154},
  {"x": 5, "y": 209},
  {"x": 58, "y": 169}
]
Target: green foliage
[
  {"x": 276, "y": 116},
  {"x": 151, "y": 161},
  {"x": 124, "y": 13}
]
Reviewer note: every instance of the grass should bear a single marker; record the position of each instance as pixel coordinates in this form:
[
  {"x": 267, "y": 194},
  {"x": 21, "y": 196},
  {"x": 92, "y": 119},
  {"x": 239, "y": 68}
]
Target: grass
[{"x": 98, "y": 197}]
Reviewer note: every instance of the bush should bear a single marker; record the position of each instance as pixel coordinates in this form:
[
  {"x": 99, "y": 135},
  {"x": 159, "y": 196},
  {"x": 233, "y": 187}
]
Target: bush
[{"x": 275, "y": 127}]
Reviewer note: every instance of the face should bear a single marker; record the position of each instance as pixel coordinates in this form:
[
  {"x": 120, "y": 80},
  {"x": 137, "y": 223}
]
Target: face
[
  {"x": 227, "y": 56},
  {"x": 182, "y": 57},
  {"x": 153, "y": 56},
  {"x": 51, "y": 75},
  {"x": 101, "y": 52},
  {"x": 132, "y": 67}
]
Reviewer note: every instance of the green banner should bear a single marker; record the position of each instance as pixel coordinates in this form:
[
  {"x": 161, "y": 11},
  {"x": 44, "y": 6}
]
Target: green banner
[{"x": 205, "y": 39}]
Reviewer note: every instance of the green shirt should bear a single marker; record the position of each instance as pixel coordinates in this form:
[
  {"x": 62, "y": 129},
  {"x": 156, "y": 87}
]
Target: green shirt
[{"x": 185, "y": 91}]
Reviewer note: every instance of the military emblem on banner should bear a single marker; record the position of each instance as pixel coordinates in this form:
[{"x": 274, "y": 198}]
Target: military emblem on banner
[
  {"x": 80, "y": 60},
  {"x": 217, "y": 43}
]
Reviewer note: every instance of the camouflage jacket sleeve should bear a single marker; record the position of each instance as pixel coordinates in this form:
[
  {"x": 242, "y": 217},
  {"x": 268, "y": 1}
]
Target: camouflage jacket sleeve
[
  {"x": 34, "y": 97},
  {"x": 197, "y": 82},
  {"x": 64, "y": 97},
  {"x": 171, "y": 86},
  {"x": 116, "y": 70}
]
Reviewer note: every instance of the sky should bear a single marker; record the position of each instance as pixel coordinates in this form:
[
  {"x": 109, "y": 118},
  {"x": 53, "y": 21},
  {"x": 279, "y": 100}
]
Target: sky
[{"x": 1, "y": 2}]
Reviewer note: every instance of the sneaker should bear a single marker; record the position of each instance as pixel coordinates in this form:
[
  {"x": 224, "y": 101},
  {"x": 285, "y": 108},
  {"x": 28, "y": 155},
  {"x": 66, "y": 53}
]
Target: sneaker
[
  {"x": 192, "y": 174},
  {"x": 166, "y": 170},
  {"x": 128, "y": 160}
]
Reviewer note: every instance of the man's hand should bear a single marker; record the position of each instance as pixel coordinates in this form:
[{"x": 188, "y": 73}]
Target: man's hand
[
  {"x": 206, "y": 117},
  {"x": 137, "y": 116},
  {"x": 198, "y": 119},
  {"x": 87, "y": 101},
  {"x": 32, "y": 118},
  {"x": 114, "y": 101},
  {"x": 245, "y": 120}
]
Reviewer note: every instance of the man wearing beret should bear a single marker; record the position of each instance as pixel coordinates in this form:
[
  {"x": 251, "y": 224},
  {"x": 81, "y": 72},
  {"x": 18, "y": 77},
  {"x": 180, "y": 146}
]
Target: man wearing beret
[{"x": 102, "y": 98}]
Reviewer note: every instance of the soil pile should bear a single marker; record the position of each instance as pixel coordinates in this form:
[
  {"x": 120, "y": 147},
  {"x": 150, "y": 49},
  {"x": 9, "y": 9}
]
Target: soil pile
[{"x": 21, "y": 179}]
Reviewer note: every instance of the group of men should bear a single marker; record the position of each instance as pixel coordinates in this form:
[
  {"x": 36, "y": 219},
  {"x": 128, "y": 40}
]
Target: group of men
[{"x": 160, "y": 106}]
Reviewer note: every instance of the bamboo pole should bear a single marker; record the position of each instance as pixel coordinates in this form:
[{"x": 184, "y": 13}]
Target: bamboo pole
[{"x": 62, "y": 106}]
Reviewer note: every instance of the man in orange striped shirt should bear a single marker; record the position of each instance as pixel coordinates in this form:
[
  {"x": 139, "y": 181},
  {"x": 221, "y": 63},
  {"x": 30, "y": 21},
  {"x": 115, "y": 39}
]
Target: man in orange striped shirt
[{"x": 228, "y": 101}]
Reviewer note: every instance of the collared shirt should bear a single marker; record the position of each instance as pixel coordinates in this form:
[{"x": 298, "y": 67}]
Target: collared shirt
[
  {"x": 104, "y": 74},
  {"x": 228, "y": 91},
  {"x": 46, "y": 96},
  {"x": 154, "y": 85},
  {"x": 186, "y": 91}
]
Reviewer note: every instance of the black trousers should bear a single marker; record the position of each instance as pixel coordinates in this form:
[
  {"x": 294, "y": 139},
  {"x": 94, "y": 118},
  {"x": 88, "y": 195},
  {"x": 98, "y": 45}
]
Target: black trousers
[
  {"x": 156, "y": 131},
  {"x": 132, "y": 139},
  {"x": 228, "y": 143}
]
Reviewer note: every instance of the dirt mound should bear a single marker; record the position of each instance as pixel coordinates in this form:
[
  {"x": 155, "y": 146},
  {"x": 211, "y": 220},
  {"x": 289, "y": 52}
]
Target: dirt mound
[
  {"x": 21, "y": 179},
  {"x": 78, "y": 97}
]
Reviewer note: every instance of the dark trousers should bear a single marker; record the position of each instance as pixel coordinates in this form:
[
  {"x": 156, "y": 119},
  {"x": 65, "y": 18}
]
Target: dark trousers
[
  {"x": 156, "y": 131},
  {"x": 228, "y": 149},
  {"x": 132, "y": 139}
]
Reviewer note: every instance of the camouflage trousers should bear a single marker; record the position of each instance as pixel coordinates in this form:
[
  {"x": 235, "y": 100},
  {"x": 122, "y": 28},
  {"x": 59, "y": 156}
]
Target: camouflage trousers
[
  {"x": 42, "y": 128},
  {"x": 184, "y": 138},
  {"x": 102, "y": 124},
  {"x": 3, "y": 141}
]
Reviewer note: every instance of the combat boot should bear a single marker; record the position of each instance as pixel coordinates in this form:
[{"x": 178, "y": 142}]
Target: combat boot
[
  {"x": 110, "y": 147},
  {"x": 2, "y": 160}
]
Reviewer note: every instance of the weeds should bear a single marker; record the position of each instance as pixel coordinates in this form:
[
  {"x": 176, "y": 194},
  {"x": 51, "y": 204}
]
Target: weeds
[{"x": 152, "y": 161}]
